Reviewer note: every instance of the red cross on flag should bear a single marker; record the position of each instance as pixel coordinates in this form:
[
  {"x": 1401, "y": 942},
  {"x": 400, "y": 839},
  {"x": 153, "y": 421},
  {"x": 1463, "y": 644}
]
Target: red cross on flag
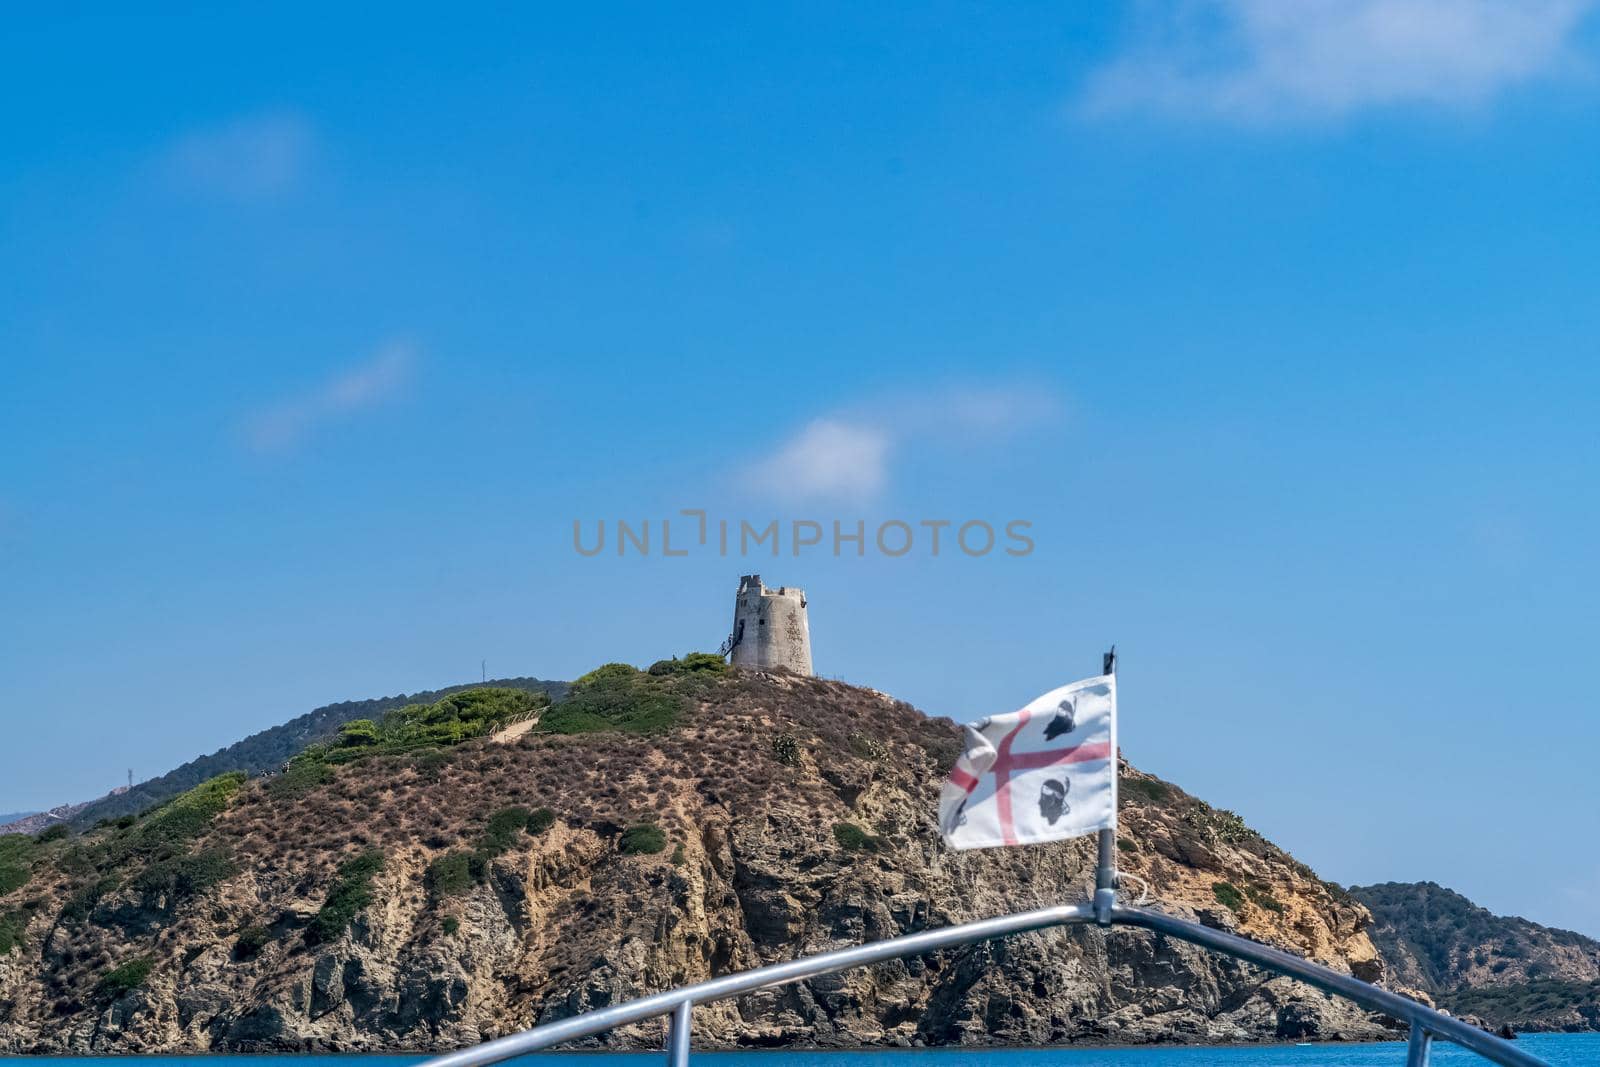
[{"x": 1044, "y": 773}]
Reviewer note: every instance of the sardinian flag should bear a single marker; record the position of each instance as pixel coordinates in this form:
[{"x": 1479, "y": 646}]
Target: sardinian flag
[{"x": 1044, "y": 773}]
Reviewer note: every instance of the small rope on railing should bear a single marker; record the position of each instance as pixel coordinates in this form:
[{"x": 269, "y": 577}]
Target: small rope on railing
[{"x": 1144, "y": 887}]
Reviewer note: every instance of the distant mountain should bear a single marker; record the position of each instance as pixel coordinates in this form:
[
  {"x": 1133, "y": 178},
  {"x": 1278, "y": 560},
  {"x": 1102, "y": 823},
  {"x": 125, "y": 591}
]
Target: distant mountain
[
  {"x": 270, "y": 749},
  {"x": 40, "y": 820},
  {"x": 1501, "y": 968},
  {"x": 14, "y": 816}
]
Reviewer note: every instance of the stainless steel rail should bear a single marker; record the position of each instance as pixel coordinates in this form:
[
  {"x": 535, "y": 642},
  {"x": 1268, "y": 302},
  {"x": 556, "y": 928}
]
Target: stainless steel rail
[{"x": 1426, "y": 1024}]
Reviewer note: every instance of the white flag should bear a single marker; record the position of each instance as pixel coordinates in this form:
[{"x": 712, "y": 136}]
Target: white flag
[{"x": 1044, "y": 773}]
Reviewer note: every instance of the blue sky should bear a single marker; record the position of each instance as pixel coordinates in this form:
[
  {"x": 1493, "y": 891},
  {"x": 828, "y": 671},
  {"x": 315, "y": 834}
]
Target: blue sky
[{"x": 320, "y": 331}]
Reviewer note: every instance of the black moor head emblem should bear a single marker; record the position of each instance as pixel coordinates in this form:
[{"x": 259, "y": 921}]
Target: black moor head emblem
[
  {"x": 1065, "y": 718},
  {"x": 1053, "y": 799}
]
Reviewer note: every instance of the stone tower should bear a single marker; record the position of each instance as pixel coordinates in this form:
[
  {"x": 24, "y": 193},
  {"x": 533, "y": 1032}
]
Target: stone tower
[{"x": 770, "y": 628}]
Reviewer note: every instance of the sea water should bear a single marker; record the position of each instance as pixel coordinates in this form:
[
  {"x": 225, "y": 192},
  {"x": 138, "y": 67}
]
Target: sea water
[{"x": 1561, "y": 1050}]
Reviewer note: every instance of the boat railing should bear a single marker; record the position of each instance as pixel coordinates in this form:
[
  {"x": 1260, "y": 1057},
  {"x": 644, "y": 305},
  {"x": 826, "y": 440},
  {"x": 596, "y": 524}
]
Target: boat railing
[{"x": 1426, "y": 1024}]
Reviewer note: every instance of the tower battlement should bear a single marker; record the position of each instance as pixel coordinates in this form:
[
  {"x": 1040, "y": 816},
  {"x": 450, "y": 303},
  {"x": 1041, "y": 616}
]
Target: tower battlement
[{"x": 770, "y": 628}]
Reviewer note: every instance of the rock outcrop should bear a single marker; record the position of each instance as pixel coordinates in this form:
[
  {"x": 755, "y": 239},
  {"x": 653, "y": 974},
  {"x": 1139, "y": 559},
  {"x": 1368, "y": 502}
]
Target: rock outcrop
[{"x": 752, "y": 791}]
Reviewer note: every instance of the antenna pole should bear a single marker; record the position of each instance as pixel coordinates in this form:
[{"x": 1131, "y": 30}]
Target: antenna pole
[{"x": 1105, "y": 879}]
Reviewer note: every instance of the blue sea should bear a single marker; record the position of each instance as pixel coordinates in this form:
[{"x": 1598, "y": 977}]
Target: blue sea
[{"x": 1561, "y": 1050}]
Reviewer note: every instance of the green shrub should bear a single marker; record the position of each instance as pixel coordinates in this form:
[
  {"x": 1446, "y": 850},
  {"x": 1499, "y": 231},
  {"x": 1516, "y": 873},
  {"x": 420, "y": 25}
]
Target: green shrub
[
  {"x": 678, "y": 856},
  {"x": 1228, "y": 826},
  {"x": 868, "y": 748},
  {"x": 450, "y": 925},
  {"x": 615, "y": 697},
  {"x": 642, "y": 839},
  {"x": 1126, "y": 846},
  {"x": 54, "y": 832},
  {"x": 854, "y": 839},
  {"x": 451, "y": 874},
  {"x": 430, "y": 762},
  {"x": 605, "y": 676},
  {"x": 12, "y": 925},
  {"x": 786, "y": 749},
  {"x": 299, "y": 778},
  {"x": 703, "y": 663},
  {"x": 13, "y": 878},
  {"x": 1228, "y": 896},
  {"x": 1146, "y": 790},
  {"x": 357, "y": 733},
  {"x": 126, "y": 978},
  {"x": 505, "y": 826},
  {"x": 1262, "y": 897},
  {"x": 16, "y": 848},
  {"x": 541, "y": 820},
  {"x": 180, "y": 877},
  {"x": 81, "y": 904},
  {"x": 351, "y": 892},
  {"x": 16, "y": 861},
  {"x": 250, "y": 942}
]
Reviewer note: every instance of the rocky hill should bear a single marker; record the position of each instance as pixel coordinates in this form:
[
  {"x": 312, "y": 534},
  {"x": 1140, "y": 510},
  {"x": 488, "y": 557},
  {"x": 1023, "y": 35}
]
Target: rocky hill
[
  {"x": 1506, "y": 970},
  {"x": 452, "y": 872}
]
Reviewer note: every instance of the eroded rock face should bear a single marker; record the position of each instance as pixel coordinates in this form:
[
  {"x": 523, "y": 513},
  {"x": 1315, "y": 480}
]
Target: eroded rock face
[{"x": 565, "y": 922}]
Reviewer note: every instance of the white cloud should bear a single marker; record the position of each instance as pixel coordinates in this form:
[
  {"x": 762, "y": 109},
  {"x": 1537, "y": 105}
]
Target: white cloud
[
  {"x": 284, "y": 426},
  {"x": 250, "y": 158},
  {"x": 1269, "y": 61},
  {"x": 828, "y": 458},
  {"x": 849, "y": 454}
]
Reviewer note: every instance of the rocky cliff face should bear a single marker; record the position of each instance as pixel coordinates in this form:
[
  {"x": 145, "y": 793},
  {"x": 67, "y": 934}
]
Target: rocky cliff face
[{"x": 795, "y": 815}]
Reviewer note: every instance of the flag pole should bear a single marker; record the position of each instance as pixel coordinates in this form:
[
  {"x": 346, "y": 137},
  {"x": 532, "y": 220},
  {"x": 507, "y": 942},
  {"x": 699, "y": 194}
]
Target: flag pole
[{"x": 1105, "y": 879}]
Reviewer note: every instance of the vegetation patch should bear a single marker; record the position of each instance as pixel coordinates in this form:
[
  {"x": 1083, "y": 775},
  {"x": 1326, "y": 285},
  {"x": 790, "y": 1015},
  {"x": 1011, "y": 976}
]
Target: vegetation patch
[
  {"x": 299, "y": 779},
  {"x": 867, "y": 748},
  {"x": 178, "y": 877},
  {"x": 505, "y": 826},
  {"x": 854, "y": 839},
  {"x": 456, "y": 871},
  {"x": 695, "y": 663},
  {"x": 351, "y": 892},
  {"x": 1548, "y": 1002},
  {"x": 12, "y": 926},
  {"x": 1228, "y": 896},
  {"x": 786, "y": 750},
  {"x": 620, "y": 698},
  {"x": 1230, "y": 827},
  {"x": 16, "y": 861},
  {"x": 126, "y": 978},
  {"x": 450, "y": 925},
  {"x": 453, "y": 873},
  {"x": 456, "y": 718},
  {"x": 81, "y": 904},
  {"x": 1262, "y": 897},
  {"x": 1145, "y": 790},
  {"x": 642, "y": 839},
  {"x": 250, "y": 942}
]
